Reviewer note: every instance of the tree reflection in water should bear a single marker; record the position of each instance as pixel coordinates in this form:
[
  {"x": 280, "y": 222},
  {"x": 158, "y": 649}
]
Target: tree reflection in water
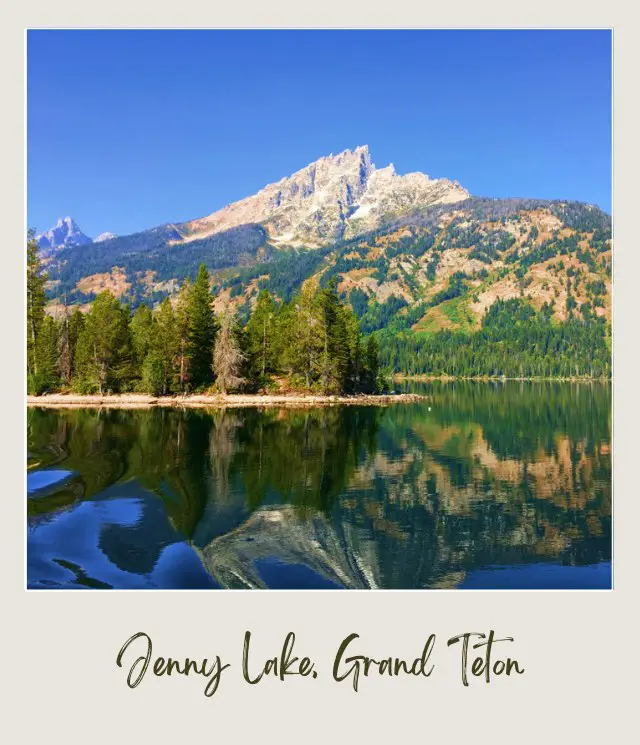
[{"x": 436, "y": 494}]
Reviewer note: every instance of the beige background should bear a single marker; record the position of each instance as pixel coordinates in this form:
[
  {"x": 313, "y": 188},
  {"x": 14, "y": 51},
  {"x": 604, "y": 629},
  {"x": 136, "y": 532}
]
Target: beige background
[{"x": 59, "y": 678}]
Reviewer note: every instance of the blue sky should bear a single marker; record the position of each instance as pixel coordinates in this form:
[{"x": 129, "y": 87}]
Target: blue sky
[{"x": 128, "y": 130}]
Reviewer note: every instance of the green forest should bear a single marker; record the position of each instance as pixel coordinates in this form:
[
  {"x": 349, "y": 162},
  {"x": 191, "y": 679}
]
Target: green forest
[
  {"x": 514, "y": 341},
  {"x": 313, "y": 342}
]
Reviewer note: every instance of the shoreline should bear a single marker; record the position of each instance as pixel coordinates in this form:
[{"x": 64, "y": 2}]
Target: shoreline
[
  {"x": 399, "y": 377},
  {"x": 219, "y": 401}
]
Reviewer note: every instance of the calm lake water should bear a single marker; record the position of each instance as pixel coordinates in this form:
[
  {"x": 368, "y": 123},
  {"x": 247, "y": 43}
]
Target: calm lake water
[{"x": 482, "y": 486}]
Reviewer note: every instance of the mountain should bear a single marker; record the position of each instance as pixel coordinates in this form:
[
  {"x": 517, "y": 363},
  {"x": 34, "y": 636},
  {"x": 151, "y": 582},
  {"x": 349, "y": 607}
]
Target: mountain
[
  {"x": 336, "y": 197},
  {"x": 104, "y": 237},
  {"x": 64, "y": 234},
  {"x": 413, "y": 255}
]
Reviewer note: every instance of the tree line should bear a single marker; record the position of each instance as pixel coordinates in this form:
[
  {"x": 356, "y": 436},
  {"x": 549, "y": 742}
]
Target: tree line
[{"x": 313, "y": 343}]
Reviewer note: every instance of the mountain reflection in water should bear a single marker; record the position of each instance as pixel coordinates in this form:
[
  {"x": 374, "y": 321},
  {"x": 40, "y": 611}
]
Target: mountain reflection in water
[{"x": 482, "y": 486}]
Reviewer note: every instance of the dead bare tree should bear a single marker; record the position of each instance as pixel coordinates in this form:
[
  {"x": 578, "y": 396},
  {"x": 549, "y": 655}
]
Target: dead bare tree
[{"x": 227, "y": 355}]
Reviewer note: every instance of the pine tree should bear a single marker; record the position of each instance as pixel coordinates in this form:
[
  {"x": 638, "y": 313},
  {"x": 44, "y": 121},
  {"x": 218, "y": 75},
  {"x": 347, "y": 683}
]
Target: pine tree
[
  {"x": 153, "y": 374},
  {"x": 372, "y": 365},
  {"x": 335, "y": 347},
  {"x": 284, "y": 350},
  {"x": 202, "y": 329},
  {"x": 142, "y": 334},
  {"x": 161, "y": 361},
  {"x": 355, "y": 364},
  {"x": 48, "y": 355},
  {"x": 75, "y": 326},
  {"x": 306, "y": 343},
  {"x": 36, "y": 301},
  {"x": 261, "y": 330},
  {"x": 68, "y": 331},
  {"x": 104, "y": 354},
  {"x": 65, "y": 361},
  {"x": 182, "y": 360},
  {"x": 227, "y": 355}
]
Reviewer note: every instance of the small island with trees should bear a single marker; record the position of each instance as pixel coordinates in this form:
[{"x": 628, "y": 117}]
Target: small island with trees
[{"x": 307, "y": 350}]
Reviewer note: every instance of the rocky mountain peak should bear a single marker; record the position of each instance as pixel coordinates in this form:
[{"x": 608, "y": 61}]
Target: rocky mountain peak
[
  {"x": 65, "y": 233},
  {"x": 67, "y": 222},
  {"x": 336, "y": 196}
]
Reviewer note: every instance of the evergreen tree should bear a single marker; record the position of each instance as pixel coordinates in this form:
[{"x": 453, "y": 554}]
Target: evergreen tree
[
  {"x": 355, "y": 351},
  {"x": 74, "y": 329},
  {"x": 142, "y": 331},
  {"x": 284, "y": 350},
  {"x": 68, "y": 331},
  {"x": 372, "y": 365},
  {"x": 334, "y": 359},
  {"x": 306, "y": 343},
  {"x": 104, "y": 354},
  {"x": 183, "y": 360},
  {"x": 159, "y": 371},
  {"x": 261, "y": 330},
  {"x": 48, "y": 369},
  {"x": 36, "y": 301},
  {"x": 65, "y": 360},
  {"x": 202, "y": 329},
  {"x": 154, "y": 376}
]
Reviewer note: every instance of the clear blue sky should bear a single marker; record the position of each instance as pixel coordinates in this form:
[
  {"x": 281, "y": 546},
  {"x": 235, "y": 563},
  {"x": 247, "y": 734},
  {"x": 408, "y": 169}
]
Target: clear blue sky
[{"x": 132, "y": 129}]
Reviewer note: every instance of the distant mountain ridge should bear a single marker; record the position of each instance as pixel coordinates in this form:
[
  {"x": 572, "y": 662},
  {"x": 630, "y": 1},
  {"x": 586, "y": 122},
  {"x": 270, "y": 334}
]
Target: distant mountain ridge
[{"x": 335, "y": 197}]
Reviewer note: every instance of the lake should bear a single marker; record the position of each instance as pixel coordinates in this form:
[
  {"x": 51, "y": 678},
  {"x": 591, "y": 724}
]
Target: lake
[{"x": 481, "y": 486}]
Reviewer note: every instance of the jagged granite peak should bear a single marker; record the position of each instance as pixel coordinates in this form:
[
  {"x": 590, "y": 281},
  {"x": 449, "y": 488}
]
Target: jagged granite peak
[
  {"x": 336, "y": 196},
  {"x": 106, "y": 236},
  {"x": 63, "y": 234},
  {"x": 389, "y": 194}
]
